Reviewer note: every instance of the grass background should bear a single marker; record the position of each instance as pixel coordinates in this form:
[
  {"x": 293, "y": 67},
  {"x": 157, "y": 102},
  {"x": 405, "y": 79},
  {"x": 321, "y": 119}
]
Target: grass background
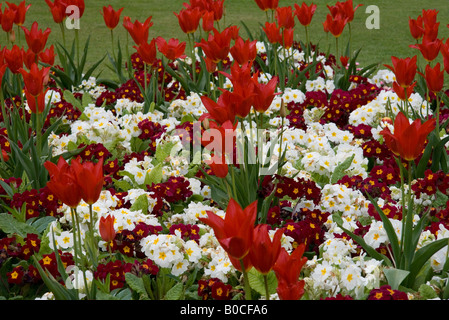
[{"x": 392, "y": 38}]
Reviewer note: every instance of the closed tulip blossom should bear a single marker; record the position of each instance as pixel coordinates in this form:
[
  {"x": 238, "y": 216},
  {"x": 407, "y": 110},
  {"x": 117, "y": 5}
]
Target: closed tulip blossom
[
  {"x": 111, "y": 17},
  {"x": 407, "y": 140},
  {"x": 106, "y": 227},
  {"x": 266, "y": 5},
  {"x": 305, "y": 13},
  {"x": 7, "y": 19},
  {"x": 335, "y": 25},
  {"x": 189, "y": 19},
  {"x": 90, "y": 179},
  {"x": 434, "y": 78},
  {"x": 57, "y": 9}
]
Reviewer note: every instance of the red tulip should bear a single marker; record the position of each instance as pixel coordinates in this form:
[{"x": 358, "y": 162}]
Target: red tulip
[
  {"x": 219, "y": 167},
  {"x": 403, "y": 93},
  {"x": 266, "y": 5},
  {"x": 235, "y": 231},
  {"x": 29, "y": 57},
  {"x": 5, "y": 155},
  {"x": 404, "y": 70},
  {"x": 2, "y": 71},
  {"x": 217, "y": 47},
  {"x": 429, "y": 16},
  {"x": 172, "y": 49},
  {"x": 287, "y": 38},
  {"x": 264, "y": 251},
  {"x": 305, "y": 13},
  {"x": 264, "y": 94},
  {"x": 90, "y": 179},
  {"x": 57, "y": 9},
  {"x": 106, "y": 226},
  {"x": 273, "y": 32},
  {"x": 335, "y": 25},
  {"x": 244, "y": 51},
  {"x": 208, "y": 21},
  {"x": 416, "y": 27},
  {"x": 147, "y": 51},
  {"x": 48, "y": 56},
  {"x": 408, "y": 140},
  {"x": 7, "y": 19},
  {"x": 63, "y": 183},
  {"x": 35, "y": 79},
  {"x": 13, "y": 59},
  {"x": 221, "y": 111},
  {"x": 77, "y": 3},
  {"x": 32, "y": 101},
  {"x": 35, "y": 38},
  {"x": 288, "y": 269},
  {"x": 111, "y": 17},
  {"x": 20, "y": 10},
  {"x": 434, "y": 78},
  {"x": 217, "y": 8},
  {"x": 428, "y": 48},
  {"x": 138, "y": 31},
  {"x": 189, "y": 19},
  {"x": 284, "y": 17},
  {"x": 347, "y": 10}
]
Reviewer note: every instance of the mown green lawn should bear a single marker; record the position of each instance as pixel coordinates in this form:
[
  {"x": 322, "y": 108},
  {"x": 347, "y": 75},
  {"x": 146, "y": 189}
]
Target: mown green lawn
[{"x": 392, "y": 38}]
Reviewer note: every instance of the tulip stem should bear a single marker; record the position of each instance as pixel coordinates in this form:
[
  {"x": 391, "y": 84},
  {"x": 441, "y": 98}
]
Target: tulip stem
[
  {"x": 245, "y": 281},
  {"x": 437, "y": 122},
  {"x": 267, "y": 293}
]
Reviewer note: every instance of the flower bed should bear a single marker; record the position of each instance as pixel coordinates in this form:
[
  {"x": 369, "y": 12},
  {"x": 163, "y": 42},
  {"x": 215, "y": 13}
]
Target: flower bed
[{"x": 223, "y": 167}]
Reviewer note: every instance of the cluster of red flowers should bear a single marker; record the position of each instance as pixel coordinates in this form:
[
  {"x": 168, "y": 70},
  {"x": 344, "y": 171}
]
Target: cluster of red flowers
[
  {"x": 187, "y": 231},
  {"x": 49, "y": 262},
  {"x": 128, "y": 242},
  {"x": 214, "y": 288},
  {"x": 298, "y": 188},
  {"x": 37, "y": 203},
  {"x": 117, "y": 269},
  {"x": 173, "y": 190},
  {"x": 386, "y": 293},
  {"x": 307, "y": 227},
  {"x": 150, "y": 131}
]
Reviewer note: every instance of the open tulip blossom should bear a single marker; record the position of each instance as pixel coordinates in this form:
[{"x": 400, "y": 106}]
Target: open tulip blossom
[{"x": 193, "y": 153}]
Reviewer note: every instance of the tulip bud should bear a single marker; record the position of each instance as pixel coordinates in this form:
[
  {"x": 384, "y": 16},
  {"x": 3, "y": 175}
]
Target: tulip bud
[
  {"x": 206, "y": 124},
  {"x": 282, "y": 111},
  {"x": 12, "y": 36}
]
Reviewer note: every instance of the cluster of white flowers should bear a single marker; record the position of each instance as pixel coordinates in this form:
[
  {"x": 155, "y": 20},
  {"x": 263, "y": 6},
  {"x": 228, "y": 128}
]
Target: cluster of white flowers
[
  {"x": 351, "y": 204},
  {"x": 324, "y": 147},
  {"x": 341, "y": 270},
  {"x": 90, "y": 86},
  {"x": 171, "y": 251},
  {"x": 387, "y": 104},
  {"x": 192, "y": 105}
]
